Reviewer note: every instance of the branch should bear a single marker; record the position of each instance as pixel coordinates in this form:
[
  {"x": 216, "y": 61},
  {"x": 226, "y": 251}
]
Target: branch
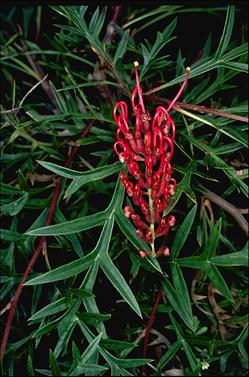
[
  {"x": 199, "y": 109},
  {"x": 40, "y": 246},
  {"x": 116, "y": 10},
  {"x": 148, "y": 327},
  {"x": 236, "y": 213}
]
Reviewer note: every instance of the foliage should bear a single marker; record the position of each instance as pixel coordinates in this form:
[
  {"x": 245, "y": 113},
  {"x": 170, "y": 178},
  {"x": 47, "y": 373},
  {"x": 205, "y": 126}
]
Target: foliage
[{"x": 88, "y": 297}]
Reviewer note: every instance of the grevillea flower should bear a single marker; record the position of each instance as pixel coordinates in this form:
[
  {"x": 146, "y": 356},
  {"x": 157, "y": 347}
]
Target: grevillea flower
[{"x": 147, "y": 153}]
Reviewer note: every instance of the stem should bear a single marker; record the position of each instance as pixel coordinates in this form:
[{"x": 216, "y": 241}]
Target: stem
[
  {"x": 199, "y": 109},
  {"x": 152, "y": 226},
  {"x": 38, "y": 249},
  {"x": 148, "y": 327},
  {"x": 237, "y": 213}
]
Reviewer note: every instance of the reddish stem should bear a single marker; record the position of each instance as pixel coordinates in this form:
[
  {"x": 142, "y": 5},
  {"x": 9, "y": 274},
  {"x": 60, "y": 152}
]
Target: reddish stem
[
  {"x": 39, "y": 247},
  {"x": 200, "y": 109},
  {"x": 148, "y": 327}
]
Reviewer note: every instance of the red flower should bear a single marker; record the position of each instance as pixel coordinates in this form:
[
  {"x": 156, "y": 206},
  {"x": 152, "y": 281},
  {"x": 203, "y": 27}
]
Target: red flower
[{"x": 147, "y": 154}]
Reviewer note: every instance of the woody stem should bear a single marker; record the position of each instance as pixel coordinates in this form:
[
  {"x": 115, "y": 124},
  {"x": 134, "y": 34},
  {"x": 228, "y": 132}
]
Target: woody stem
[{"x": 152, "y": 226}]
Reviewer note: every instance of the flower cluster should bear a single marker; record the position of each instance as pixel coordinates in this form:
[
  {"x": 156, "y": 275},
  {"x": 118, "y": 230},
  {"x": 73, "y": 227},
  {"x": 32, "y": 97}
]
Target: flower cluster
[{"x": 147, "y": 154}]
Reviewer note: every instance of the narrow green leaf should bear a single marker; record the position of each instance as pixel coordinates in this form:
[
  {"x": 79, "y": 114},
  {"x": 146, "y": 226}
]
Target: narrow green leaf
[
  {"x": 131, "y": 363},
  {"x": 183, "y": 186},
  {"x": 73, "y": 226},
  {"x": 87, "y": 354},
  {"x": 218, "y": 281},
  {"x": 213, "y": 241},
  {"x": 193, "y": 262},
  {"x": 183, "y": 233},
  {"x": 79, "y": 265},
  {"x": 240, "y": 258},
  {"x": 79, "y": 292},
  {"x": 113, "y": 274},
  {"x": 130, "y": 232},
  {"x": 14, "y": 207},
  {"x": 121, "y": 47},
  {"x": 67, "y": 270},
  {"x": 53, "y": 364},
  {"x": 169, "y": 354},
  {"x": 73, "y": 238},
  {"x": 114, "y": 345},
  {"x": 241, "y": 67},
  {"x": 182, "y": 292},
  {"x": 9, "y": 235},
  {"x": 93, "y": 318},
  {"x": 89, "y": 370},
  {"x": 228, "y": 131},
  {"x": 172, "y": 296},
  {"x": 30, "y": 368},
  {"x": 89, "y": 176},
  {"x": 93, "y": 175},
  {"x": 161, "y": 40},
  {"x": 53, "y": 308},
  {"x": 89, "y": 302},
  {"x": 48, "y": 327},
  {"x": 241, "y": 341},
  {"x": 227, "y": 32},
  {"x": 193, "y": 361}
]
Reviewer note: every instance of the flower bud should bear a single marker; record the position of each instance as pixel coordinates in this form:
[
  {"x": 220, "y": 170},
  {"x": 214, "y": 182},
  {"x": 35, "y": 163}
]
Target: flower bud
[
  {"x": 165, "y": 251},
  {"x": 171, "y": 220},
  {"x": 142, "y": 253},
  {"x": 128, "y": 211}
]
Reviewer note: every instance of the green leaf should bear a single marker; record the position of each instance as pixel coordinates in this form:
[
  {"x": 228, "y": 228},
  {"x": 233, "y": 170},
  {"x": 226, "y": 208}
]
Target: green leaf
[
  {"x": 172, "y": 296},
  {"x": 114, "y": 345},
  {"x": 93, "y": 318},
  {"x": 241, "y": 342},
  {"x": 53, "y": 308},
  {"x": 87, "y": 354},
  {"x": 81, "y": 178},
  {"x": 53, "y": 364},
  {"x": 48, "y": 327},
  {"x": 130, "y": 363},
  {"x": 182, "y": 293},
  {"x": 79, "y": 292},
  {"x": 218, "y": 281},
  {"x": 240, "y": 258},
  {"x": 30, "y": 369},
  {"x": 72, "y": 226},
  {"x": 193, "y": 361},
  {"x": 14, "y": 207},
  {"x": 161, "y": 40},
  {"x": 89, "y": 302},
  {"x": 93, "y": 175},
  {"x": 67, "y": 270},
  {"x": 213, "y": 240},
  {"x": 121, "y": 47},
  {"x": 130, "y": 231},
  {"x": 73, "y": 238},
  {"x": 79, "y": 265},
  {"x": 9, "y": 235},
  {"x": 169, "y": 354},
  {"x": 183, "y": 186},
  {"x": 226, "y": 130},
  {"x": 88, "y": 368},
  {"x": 241, "y": 67},
  {"x": 183, "y": 233},
  {"x": 113, "y": 274},
  {"x": 227, "y": 32}
]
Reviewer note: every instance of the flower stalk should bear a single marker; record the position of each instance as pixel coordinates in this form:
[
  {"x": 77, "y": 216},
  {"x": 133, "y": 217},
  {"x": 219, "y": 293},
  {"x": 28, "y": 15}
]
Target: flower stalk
[{"x": 147, "y": 154}]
